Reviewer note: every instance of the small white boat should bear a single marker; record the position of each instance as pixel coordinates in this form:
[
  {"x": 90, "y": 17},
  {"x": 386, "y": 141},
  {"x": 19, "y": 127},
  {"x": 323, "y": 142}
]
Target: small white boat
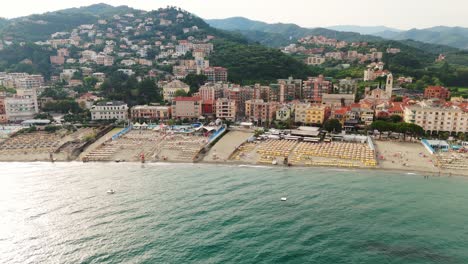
[
  {"x": 283, "y": 199},
  {"x": 274, "y": 162},
  {"x": 110, "y": 191}
]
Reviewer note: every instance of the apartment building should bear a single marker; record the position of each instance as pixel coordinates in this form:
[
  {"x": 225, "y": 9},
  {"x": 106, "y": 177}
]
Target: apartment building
[
  {"x": 259, "y": 111},
  {"x": 20, "y": 108},
  {"x": 433, "y": 117},
  {"x": 289, "y": 89},
  {"x": 187, "y": 107},
  {"x": 438, "y": 92},
  {"x": 315, "y": 87},
  {"x": 212, "y": 91},
  {"x": 226, "y": 109},
  {"x": 240, "y": 95},
  {"x": 216, "y": 74}
]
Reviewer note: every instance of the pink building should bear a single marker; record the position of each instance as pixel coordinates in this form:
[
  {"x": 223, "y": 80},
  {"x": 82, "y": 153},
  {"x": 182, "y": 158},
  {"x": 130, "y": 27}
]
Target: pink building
[
  {"x": 259, "y": 111},
  {"x": 187, "y": 107}
]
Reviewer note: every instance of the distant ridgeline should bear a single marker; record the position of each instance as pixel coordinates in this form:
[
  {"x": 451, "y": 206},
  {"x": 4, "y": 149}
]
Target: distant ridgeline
[{"x": 248, "y": 49}]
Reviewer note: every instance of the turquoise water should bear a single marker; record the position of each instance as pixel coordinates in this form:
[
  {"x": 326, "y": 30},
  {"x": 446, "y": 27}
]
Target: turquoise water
[{"x": 184, "y": 213}]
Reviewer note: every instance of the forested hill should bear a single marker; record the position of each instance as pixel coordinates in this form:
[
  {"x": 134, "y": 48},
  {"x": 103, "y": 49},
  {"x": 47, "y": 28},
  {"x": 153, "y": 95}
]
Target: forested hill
[
  {"x": 246, "y": 62},
  {"x": 278, "y": 34},
  {"x": 39, "y": 26}
]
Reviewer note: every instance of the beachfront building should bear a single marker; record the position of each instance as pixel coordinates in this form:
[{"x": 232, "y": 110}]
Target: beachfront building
[
  {"x": 150, "y": 112},
  {"x": 226, "y": 109},
  {"x": 435, "y": 118},
  {"x": 260, "y": 111},
  {"x": 115, "y": 110},
  {"x": 311, "y": 113},
  {"x": 315, "y": 87},
  {"x": 171, "y": 88},
  {"x": 187, "y": 107},
  {"x": 20, "y": 108},
  {"x": 436, "y": 92}
]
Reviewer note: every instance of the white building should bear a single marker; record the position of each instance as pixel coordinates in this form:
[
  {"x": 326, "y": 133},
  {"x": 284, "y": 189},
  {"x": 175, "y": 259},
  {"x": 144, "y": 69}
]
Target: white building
[
  {"x": 128, "y": 72},
  {"x": 430, "y": 117},
  {"x": 19, "y": 108},
  {"x": 109, "y": 111}
]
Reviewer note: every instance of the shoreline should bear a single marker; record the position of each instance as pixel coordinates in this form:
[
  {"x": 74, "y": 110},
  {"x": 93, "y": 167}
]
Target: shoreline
[{"x": 408, "y": 171}]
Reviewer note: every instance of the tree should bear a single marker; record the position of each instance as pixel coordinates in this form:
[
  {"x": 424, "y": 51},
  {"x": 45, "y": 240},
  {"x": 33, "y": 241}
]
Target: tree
[
  {"x": 195, "y": 81},
  {"x": 148, "y": 91},
  {"x": 180, "y": 92},
  {"x": 396, "y": 118},
  {"x": 332, "y": 125},
  {"x": 90, "y": 81}
]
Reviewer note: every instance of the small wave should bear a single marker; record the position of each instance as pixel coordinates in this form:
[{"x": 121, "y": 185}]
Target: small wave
[{"x": 254, "y": 166}]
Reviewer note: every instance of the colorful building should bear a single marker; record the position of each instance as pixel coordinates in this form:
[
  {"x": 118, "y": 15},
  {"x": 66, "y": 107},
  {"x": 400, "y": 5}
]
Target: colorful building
[
  {"x": 187, "y": 107},
  {"x": 150, "y": 112},
  {"x": 260, "y": 111},
  {"x": 438, "y": 92},
  {"x": 226, "y": 109}
]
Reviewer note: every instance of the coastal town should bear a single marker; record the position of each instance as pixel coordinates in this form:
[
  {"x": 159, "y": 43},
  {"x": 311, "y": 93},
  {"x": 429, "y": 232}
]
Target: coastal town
[{"x": 125, "y": 89}]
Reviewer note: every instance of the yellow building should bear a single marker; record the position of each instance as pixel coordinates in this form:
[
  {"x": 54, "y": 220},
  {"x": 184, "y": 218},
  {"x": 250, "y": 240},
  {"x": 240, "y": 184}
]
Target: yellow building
[
  {"x": 317, "y": 114},
  {"x": 311, "y": 114}
]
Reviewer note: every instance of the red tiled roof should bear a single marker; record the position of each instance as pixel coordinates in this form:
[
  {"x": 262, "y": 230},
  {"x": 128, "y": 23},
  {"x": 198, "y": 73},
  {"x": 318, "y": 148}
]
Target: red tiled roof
[
  {"x": 396, "y": 108},
  {"x": 342, "y": 110}
]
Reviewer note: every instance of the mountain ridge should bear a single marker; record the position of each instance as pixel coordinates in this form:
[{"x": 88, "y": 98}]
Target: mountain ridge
[{"x": 456, "y": 37}]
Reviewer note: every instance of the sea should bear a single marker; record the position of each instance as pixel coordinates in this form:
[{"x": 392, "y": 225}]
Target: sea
[{"x": 199, "y": 213}]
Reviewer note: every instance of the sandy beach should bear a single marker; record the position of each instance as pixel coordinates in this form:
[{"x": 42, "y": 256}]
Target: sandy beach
[
  {"x": 232, "y": 148},
  {"x": 42, "y": 146},
  {"x": 223, "y": 149}
]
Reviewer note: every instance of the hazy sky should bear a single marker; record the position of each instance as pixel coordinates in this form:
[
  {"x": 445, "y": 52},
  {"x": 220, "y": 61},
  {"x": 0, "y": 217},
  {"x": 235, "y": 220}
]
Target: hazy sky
[{"x": 403, "y": 14}]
